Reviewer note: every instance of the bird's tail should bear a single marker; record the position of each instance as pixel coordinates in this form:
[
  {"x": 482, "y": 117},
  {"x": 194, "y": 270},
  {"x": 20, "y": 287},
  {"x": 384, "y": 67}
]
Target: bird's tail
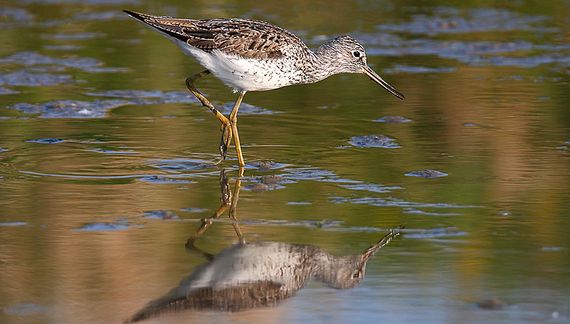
[{"x": 173, "y": 27}]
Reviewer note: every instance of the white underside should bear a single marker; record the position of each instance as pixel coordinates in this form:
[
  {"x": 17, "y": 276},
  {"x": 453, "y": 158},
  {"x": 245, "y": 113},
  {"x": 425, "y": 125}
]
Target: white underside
[{"x": 240, "y": 73}]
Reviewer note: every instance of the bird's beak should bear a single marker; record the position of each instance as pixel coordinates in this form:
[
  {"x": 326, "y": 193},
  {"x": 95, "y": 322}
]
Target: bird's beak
[{"x": 372, "y": 75}]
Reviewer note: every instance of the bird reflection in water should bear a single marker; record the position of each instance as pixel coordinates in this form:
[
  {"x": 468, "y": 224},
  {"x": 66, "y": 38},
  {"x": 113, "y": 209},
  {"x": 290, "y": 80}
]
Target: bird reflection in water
[{"x": 259, "y": 274}]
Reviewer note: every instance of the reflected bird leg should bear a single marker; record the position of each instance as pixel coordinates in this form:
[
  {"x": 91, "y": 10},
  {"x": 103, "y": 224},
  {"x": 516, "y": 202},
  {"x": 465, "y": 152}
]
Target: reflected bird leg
[
  {"x": 225, "y": 202},
  {"x": 233, "y": 123},
  {"x": 226, "y": 128},
  {"x": 228, "y": 200},
  {"x": 206, "y": 222},
  {"x": 233, "y": 210}
]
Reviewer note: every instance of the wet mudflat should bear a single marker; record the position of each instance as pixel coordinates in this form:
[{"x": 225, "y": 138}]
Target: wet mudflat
[{"x": 107, "y": 174}]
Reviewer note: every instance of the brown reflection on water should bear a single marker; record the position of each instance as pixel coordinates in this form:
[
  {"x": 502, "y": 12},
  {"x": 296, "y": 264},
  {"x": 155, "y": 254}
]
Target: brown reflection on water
[{"x": 255, "y": 274}]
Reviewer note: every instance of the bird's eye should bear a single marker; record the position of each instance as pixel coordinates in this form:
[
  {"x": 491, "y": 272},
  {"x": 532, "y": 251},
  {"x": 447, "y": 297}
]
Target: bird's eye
[{"x": 356, "y": 54}]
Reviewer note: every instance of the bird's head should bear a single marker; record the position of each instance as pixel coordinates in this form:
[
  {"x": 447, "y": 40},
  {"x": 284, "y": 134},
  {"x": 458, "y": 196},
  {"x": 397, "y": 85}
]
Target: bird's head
[{"x": 350, "y": 57}]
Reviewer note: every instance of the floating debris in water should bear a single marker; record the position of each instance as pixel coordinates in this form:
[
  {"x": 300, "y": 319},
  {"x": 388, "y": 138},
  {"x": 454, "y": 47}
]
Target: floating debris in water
[
  {"x": 2, "y": 150},
  {"x": 371, "y": 187},
  {"x": 28, "y": 79},
  {"x": 6, "y": 91},
  {"x": 12, "y": 224},
  {"x": 104, "y": 227},
  {"x": 266, "y": 165},
  {"x": 427, "y": 174},
  {"x": 176, "y": 165},
  {"x": 380, "y": 141},
  {"x": 46, "y": 140},
  {"x": 393, "y": 120},
  {"x": 266, "y": 183},
  {"x": 491, "y": 304},
  {"x": 71, "y": 108},
  {"x": 160, "y": 214}
]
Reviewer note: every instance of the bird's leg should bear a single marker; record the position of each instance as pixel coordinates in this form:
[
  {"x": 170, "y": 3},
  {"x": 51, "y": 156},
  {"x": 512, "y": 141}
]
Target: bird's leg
[
  {"x": 226, "y": 128},
  {"x": 225, "y": 141},
  {"x": 233, "y": 123}
]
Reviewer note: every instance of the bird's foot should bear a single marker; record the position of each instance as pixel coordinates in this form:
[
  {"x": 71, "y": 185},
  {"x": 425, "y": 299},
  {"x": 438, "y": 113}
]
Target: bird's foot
[{"x": 225, "y": 140}]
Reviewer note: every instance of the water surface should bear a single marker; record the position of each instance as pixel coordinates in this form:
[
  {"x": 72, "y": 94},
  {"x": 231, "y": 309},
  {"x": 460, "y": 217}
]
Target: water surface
[{"x": 106, "y": 162}]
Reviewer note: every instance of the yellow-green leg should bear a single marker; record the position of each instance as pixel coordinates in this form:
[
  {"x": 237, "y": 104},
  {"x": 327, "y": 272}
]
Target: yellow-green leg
[
  {"x": 226, "y": 127},
  {"x": 233, "y": 123},
  {"x": 229, "y": 126}
]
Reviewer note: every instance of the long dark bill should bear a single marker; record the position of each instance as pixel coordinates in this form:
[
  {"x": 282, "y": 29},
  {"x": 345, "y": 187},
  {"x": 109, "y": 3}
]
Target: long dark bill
[{"x": 372, "y": 75}]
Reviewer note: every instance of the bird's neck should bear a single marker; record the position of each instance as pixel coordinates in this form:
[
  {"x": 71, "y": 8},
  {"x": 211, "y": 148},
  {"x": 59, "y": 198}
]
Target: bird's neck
[
  {"x": 321, "y": 64},
  {"x": 329, "y": 269}
]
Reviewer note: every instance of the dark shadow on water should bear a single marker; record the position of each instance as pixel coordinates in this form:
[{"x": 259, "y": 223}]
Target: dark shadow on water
[{"x": 257, "y": 274}]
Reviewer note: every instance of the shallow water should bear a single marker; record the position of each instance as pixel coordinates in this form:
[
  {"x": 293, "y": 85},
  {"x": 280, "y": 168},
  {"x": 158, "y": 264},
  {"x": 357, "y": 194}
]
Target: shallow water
[{"x": 106, "y": 162}]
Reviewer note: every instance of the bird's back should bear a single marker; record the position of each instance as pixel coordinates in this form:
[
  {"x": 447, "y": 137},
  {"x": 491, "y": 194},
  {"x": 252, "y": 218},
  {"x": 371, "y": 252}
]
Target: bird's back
[
  {"x": 247, "y": 55},
  {"x": 233, "y": 36}
]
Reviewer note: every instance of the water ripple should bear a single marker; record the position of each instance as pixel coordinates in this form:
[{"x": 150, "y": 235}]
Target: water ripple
[
  {"x": 380, "y": 141},
  {"x": 86, "y": 64},
  {"x": 476, "y": 20}
]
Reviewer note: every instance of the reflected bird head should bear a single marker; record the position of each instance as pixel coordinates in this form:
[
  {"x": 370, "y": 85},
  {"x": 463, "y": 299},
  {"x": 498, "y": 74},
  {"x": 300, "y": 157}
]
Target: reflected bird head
[{"x": 348, "y": 272}]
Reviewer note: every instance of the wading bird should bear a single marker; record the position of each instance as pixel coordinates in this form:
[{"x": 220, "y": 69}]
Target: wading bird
[{"x": 249, "y": 55}]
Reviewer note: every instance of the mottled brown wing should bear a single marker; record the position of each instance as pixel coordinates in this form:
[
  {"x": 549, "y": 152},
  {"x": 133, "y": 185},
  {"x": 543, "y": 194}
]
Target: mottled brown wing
[{"x": 246, "y": 38}]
